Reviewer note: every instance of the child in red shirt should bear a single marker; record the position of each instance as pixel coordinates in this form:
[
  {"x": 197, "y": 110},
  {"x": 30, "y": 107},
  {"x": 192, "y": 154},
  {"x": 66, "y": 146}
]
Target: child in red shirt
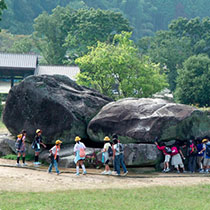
[{"x": 167, "y": 156}]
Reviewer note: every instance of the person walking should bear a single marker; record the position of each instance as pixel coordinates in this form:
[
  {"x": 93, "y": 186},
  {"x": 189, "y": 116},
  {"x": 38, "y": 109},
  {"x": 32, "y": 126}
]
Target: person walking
[
  {"x": 119, "y": 157},
  {"x": 21, "y": 148},
  {"x": 79, "y": 152},
  {"x": 105, "y": 150},
  {"x": 54, "y": 155},
  {"x": 37, "y": 145}
]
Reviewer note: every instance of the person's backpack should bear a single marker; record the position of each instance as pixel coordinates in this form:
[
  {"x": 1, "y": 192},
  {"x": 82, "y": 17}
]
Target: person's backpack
[
  {"x": 33, "y": 145},
  {"x": 110, "y": 151},
  {"x": 208, "y": 150},
  {"x": 121, "y": 148},
  {"x": 17, "y": 144},
  {"x": 82, "y": 152},
  {"x": 168, "y": 150},
  {"x": 194, "y": 150}
]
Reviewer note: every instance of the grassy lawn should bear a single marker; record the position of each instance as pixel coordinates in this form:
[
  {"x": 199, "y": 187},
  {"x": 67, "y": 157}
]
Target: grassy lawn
[{"x": 159, "y": 198}]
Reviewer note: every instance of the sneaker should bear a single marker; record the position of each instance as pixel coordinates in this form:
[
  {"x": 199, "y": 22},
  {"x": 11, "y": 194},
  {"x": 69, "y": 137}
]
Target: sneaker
[
  {"x": 77, "y": 174},
  {"x": 85, "y": 172},
  {"x": 178, "y": 172},
  {"x": 108, "y": 173},
  {"x": 58, "y": 173},
  {"x": 38, "y": 163},
  {"x": 125, "y": 173},
  {"x": 114, "y": 172},
  {"x": 201, "y": 171},
  {"x": 207, "y": 172},
  {"x": 184, "y": 172},
  {"x": 167, "y": 170},
  {"x": 104, "y": 172},
  {"x": 163, "y": 171},
  {"x": 25, "y": 164},
  {"x": 18, "y": 164}
]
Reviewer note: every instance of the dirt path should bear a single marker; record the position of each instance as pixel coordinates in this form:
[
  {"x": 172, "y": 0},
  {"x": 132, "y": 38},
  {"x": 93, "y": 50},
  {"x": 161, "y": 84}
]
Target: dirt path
[{"x": 37, "y": 179}]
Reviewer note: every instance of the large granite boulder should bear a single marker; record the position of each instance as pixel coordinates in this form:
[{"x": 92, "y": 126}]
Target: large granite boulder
[
  {"x": 55, "y": 104},
  {"x": 141, "y": 120},
  {"x": 7, "y": 146}
]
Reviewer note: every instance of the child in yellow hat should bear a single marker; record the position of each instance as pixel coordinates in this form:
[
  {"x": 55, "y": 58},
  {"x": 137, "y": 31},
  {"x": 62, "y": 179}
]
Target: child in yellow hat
[
  {"x": 79, "y": 152},
  {"x": 54, "y": 151},
  {"x": 107, "y": 145},
  {"x": 21, "y": 147},
  {"x": 37, "y": 145}
]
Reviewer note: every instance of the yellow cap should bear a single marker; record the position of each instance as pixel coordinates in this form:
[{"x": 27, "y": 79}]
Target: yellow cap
[
  {"x": 19, "y": 136},
  {"x": 106, "y": 138},
  {"x": 38, "y": 130},
  {"x": 58, "y": 142},
  {"x": 77, "y": 138},
  {"x": 204, "y": 140}
]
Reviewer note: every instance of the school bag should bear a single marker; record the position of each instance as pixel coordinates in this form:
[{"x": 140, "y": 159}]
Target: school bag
[
  {"x": 82, "y": 152},
  {"x": 208, "y": 150},
  {"x": 110, "y": 151},
  {"x": 18, "y": 144},
  {"x": 194, "y": 150},
  {"x": 120, "y": 148},
  {"x": 168, "y": 150}
]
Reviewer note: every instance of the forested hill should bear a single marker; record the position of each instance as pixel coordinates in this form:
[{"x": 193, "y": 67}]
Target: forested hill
[{"x": 146, "y": 16}]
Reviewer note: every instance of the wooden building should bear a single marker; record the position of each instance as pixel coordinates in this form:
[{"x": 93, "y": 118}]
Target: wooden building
[{"x": 17, "y": 66}]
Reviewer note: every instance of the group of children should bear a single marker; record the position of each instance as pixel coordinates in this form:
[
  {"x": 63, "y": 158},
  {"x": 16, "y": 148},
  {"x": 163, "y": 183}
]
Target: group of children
[
  {"x": 197, "y": 153},
  {"x": 109, "y": 151}
]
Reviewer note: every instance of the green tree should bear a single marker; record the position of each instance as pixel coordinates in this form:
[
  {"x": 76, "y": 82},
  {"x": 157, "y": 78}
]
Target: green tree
[
  {"x": 89, "y": 26},
  {"x": 68, "y": 32},
  {"x": 2, "y": 7},
  {"x": 50, "y": 35},
  {"x": 118, "y": 64},
  {"x": 16, "y": 43},
  {"x": 171, "y": 48},
  {"x": 193, "y": 86},
  {"x": 168, "y": 50}
]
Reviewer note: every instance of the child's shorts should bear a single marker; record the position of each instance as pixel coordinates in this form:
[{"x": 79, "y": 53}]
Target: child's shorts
[
  {"x": 167, "y": 158},
  {"x": 206, "y": 162}
]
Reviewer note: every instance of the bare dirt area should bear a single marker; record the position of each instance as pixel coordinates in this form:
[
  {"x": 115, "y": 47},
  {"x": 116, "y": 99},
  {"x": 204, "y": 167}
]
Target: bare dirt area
[{"x": 33, "y": 179}]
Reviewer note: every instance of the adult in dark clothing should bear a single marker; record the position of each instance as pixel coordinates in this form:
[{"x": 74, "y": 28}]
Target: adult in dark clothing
[
  {"x": 37, "y": 145},
  {"x": 119, "y": 156},
  {"x": 192, "y": 156},
  {"x": 200, "y": 155}
]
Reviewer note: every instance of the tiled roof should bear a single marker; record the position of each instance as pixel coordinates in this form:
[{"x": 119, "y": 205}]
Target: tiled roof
[
  {"x": 69, "y": 71},
  {"x": 18, "y": 60}
]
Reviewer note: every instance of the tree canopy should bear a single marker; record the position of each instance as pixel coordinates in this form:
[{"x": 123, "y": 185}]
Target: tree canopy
[
  {"x": 145, "y": 16},
  {"x": 193, "y": 86},
  {"x": 65, "y": 34},
  {"x": 2, "y": 7},
  {"x": 171, "y": 48},
  {"x": 117, "y": 70}
]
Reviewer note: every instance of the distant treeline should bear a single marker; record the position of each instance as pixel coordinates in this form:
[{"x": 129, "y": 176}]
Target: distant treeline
[{"x": 145, "y": 16}]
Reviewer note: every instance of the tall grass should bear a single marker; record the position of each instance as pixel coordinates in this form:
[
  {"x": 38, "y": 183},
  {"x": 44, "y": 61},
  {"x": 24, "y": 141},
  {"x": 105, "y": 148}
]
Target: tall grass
[{"x": 152, "y": 198}]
